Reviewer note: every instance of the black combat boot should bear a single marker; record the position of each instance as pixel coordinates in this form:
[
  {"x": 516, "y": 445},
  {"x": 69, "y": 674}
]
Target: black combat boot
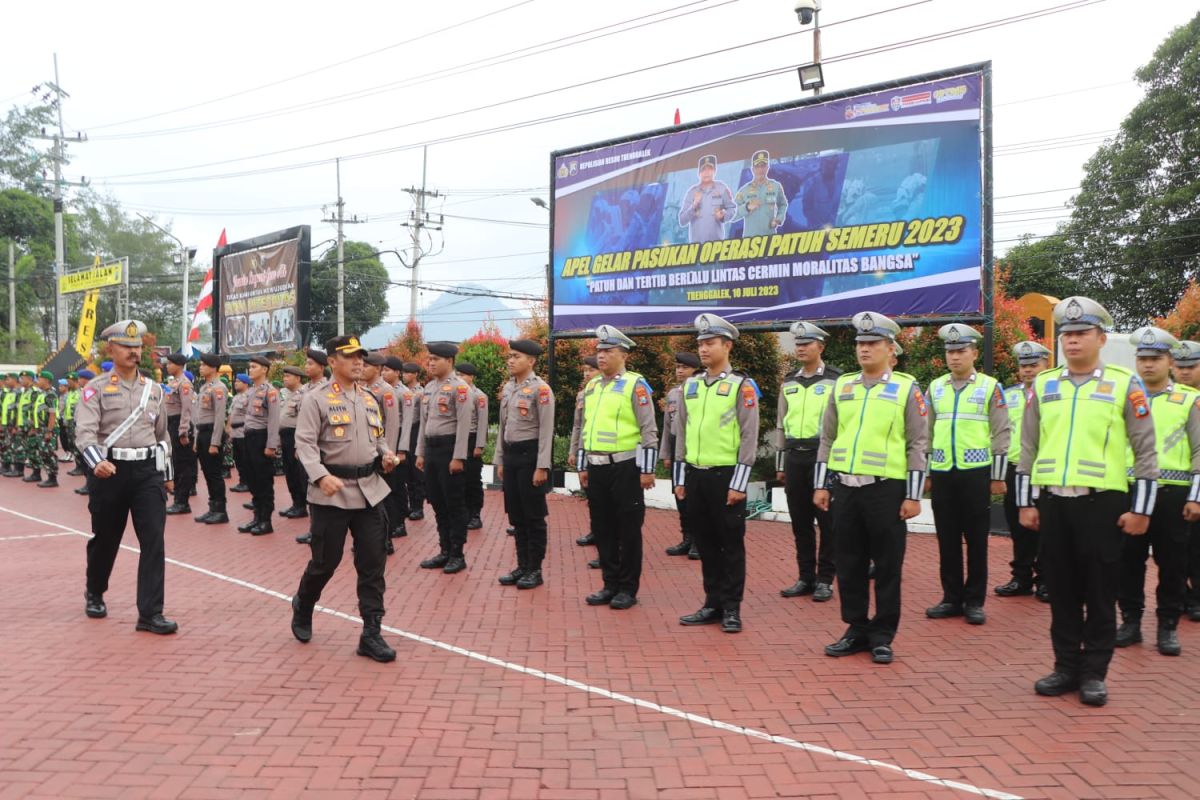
[{"x": 371, "y": 643}]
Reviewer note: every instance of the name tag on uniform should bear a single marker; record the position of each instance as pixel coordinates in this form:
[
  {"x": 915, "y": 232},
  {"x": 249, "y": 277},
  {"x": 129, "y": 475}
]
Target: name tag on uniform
[
  {"x": 111, "y": 389},
  {"x": 890, "y": 391},
  {"x": 693, "y": 389},
  {"x": 619, "y": 385},
  {"x": 939, "y": 392},
  {"x": 1176, "y": 397},
  {"x": 1104, "y": 398},
  {"x": 847, "y": 393},
  {"x": 794, "y": 389},
  {"x": 979, "y": 396},
  {"x": 1051, "y": 392},
  {"x": 724, "y": 388}
]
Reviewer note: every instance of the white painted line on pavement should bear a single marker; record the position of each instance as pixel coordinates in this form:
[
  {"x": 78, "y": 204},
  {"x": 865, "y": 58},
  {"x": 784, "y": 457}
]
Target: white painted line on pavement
[
  {"x": 549, "y": 677},
  {"x": 37, "y": 536}
]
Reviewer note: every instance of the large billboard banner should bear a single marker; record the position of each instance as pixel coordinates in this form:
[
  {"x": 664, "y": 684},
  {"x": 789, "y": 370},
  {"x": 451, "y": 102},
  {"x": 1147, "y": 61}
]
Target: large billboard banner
[
  {"x": 808, "y": 211},
  {"x": 262, "y": 293}
]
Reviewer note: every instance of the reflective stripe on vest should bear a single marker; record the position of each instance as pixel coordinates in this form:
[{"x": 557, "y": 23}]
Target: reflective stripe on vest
[
  {"x": 1015, "y": 399},
  {"x": 69, "y": 405},
  {"x": 713, "y": 433},
  {"x": 8, "y": 408},
  {"x": 609, "y": 424},
  {"x": 1081, "y": 437},
  {"x": 1170, "y": 411},
  {"x": 962, "y": 435},
  {"x": 871, "y": 433},
  {"x": 24, "y": 406},
  {"x": 805, "y": 408}
]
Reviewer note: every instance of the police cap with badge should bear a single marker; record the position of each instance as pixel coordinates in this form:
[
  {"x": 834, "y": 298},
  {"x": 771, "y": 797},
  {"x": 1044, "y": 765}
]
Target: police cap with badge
[
  {"x": 1081, "y": 314},
  {"x": 1030, "y": 352},
  {"x": 127, "y": 333},
  {"x": 760, "y": 157},
  {"x": 957, "y": 336},
  {"x": 1151, "y": 341},
  {"x": 873, "y": 327},
  {"x": 345, "y": 345},
  {"x": 608, "y": 337},
  {"x": 710, "y": 326},
  {"x": 1187, "y": 354},
  {"x": 807, "y": 332},
  {"x": 707, "y": 161}
]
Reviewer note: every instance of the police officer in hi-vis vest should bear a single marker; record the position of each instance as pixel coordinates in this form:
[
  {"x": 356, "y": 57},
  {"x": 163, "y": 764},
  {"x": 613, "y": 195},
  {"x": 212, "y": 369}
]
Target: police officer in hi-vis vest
[
  {"x": 968, "y": 458},
  {"x": 617, "y": 458},
  {"x": 716, "y": 443},
  {"x": 121, "y": 430},
  {"x": 873, "y": 439},
  {"x": 1186, "y": 369},
  {"x": 803, "y": 399},
  {"x": 686, "y": 365},
  {"x": 1077, "y": 422},
  {"x": 1176, "y": 412},
  {"x": 1032, "y": 358}
]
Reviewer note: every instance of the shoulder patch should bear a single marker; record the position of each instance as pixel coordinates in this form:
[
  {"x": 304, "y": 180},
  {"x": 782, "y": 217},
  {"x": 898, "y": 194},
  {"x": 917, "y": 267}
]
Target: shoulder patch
[
  {"x": 749, "y": 394},
  {"x": 921, "y": 408},
  {"x": 999, "y": 398},
  {"x": 544, "y": 395},
  {"x": 272, "y": 394},
  {"x": 463, "y": 392},
  {"x": 642, "y": 393},
  {"x": 1137, "y": 401},
  {"x": 389, "y": 399},
  {"x": 89, "y": 393}
]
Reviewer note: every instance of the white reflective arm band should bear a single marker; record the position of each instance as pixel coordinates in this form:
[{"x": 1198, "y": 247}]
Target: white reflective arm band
[
  {"x": 1024, "y": 490},
  {"x": 679, "y": 473},
  {"x": 647, "y": 457},
  {"x": 999, "y": 466},
  {"x": 740, "y": 479},
  {"x": 1145, "y": 490},
  {"x": 581, "y": 460},
  {"x": 1194, "y": 492},
  {"x": 92, "y": 456},
  {"x": 916, "y": 484},
  {"x": 820, "y": 475},
  {"x": 779, "y": 461}
]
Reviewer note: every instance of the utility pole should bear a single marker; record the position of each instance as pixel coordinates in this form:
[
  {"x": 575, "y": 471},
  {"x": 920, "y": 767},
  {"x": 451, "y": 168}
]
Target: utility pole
[
  {"x": 341, "y": 220},
  {"x": 419, "y": 219},
  {"x": 817, "y": 45}
]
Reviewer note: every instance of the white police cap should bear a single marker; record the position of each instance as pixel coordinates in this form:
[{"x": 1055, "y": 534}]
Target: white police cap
[
  {"x": 957, "y": 336},
  {"x": 1151, "y": 341},
  {"x": 807, "y": 332},
  {"x": 710, "y": 326},
  {"x": 128, "y": 332},
  {"x": 1187, "y": 354},
  {"x": 1030, "y": 352},
  {"x": 872, "y": 327},
  {"x": 1081, "y": 313},
  {"x": 609, "y": 337}
]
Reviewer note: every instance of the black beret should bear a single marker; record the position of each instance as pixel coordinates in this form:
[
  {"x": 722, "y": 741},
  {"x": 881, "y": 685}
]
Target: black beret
[
  {"x": 527, "y": 346},
  {"x": 211, "y": 359},
  {"x": 443, "y": 349},
  {"x": 376, "y": 359},
  {"x": 465, "y": 367},
  {"x": 290, "y": 370},
  {"x": 317, "y": 356},
  {"x": 262, "y": 361},
  {"x": 411, "y": 366},
  {"x": 394, "y": 363},
  {"x": 177, "y": 358},
  {"x": 688, "y": 360},
  {"x": 592, "y": 362}
]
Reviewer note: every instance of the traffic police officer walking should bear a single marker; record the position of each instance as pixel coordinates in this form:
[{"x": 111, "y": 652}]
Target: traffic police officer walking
[
  {"x": 617, "y": 459},
  {"x": 121, "y": 431},
  {"x": 873, "y": 439},
  {"x": 969, "y": 433},
  {"x": 524, "y": 448},
  {"x": 340, "y": 442},
  {"x": 715, "y": 447},
  {"x": 803, "y": 399},
  {"x": 1032, "y": 358},
  {"x": 1073, "y": 446}
]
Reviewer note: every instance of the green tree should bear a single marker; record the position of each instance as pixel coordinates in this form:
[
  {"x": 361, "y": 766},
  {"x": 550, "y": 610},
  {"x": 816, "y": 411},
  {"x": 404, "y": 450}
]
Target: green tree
[
  {"x": 365, "y": 292},
  {"x": 1036, "y": 265},
  {"x": 487, "y": 350},
  {"x": 24, "y": 164}
]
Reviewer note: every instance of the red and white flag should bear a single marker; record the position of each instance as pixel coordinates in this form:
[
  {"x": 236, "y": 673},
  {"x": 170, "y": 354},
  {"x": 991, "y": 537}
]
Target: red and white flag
[
  {"x": 204, "y": 301},
  {"x": 677, "y": 120}
]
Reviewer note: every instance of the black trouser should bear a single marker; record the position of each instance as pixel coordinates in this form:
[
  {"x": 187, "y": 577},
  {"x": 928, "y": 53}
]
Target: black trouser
[
  {"x": 525, "y": 503},
  {"x": 1193, "y": 566},
  {"x": 260, "y": 472},
  {"x": 293, "y": 470},
  {"x": 962, "y": 500},
  {"x": 210, "y": 465},
  {"x": 183, "y": 462},
  {"x": 1168, "y": 535},
  {"x": 720, "y": 535},
  {"x": 396, "y": 503},
  {"x": 617, "y": 507},
  {"x": 1025, "y": 567},
  {"x": 869, "y": 529},
  {"x": 474, "y": 480},
  {"x": 685, "y": 522},
  {"x": 446, "y": 495},
  {"x": 238, "y": 446},
  {"x": 1081, "y": 559},
  {"x": 135, "y": 489},
  {"x": 814, "y": 564},
  {"x": 328, "y": 526},
  {"x": 415, "y": 478}
]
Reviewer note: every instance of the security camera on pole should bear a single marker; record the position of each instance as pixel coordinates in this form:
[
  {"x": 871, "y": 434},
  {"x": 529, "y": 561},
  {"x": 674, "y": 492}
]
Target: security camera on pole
[{"x": 809, "y": 13}]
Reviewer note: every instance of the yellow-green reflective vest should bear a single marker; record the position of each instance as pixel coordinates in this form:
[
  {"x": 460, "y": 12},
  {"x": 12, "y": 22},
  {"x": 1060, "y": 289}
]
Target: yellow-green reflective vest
[
  {"x": 805, "y": 408},
  {"x": 70, "y": 403},
  {"x": 1015, "y": 399},
  {"x": 962, "y": 434},
  {"x": 713, "y": 433},
  {"x": 1081, "y": 429},
  {"x": 8, "y": 407},
  {"x": 41, "y": 413},
  {"x": 871, "y": 433},
  {"x": 1170, "y": 410},
  {"x": 24, "y": 407},
  {"x": 609, "y": 422}
]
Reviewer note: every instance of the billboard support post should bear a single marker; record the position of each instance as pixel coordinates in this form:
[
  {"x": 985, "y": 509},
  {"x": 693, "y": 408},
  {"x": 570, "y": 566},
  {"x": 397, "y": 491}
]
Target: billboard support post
[
  {"x": 551, "y": 371},
  {"x": 989, "y": 278}
]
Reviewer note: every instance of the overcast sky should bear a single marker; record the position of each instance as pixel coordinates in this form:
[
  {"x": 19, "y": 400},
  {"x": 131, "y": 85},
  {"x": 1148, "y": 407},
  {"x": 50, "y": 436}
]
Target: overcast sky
[{"x": 168, "y": 97}]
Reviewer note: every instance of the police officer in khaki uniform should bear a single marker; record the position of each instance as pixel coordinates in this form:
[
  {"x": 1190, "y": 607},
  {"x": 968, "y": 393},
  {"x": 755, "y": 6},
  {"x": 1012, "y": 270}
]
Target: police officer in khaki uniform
[
  {"x": 619, "y": 452},
  {"x": 315, "y": 364},
  {"x": 686, "y": 365},
  {"x": 261, "y": 441},
  {"x": 442, "y": 454},
  {"x": 289, "y": 414},
  {"x": 803, "y": 398},
  {"x": 397, "y": 500},
  {"x": 590, "y": 368},
  {"x": 478, "y": 439},
  {"x": 1186, "y": 370},
  {"x": 237, "y": 431},
  {"x": 716, "y": 443},
  {"x": 179, "y": 424},
  {"x": 1073, "y": 446},
  {"x": 121, "y": 430},
  {"x": 524, "y": 449},
  {"x": 874, "y": 438},
  {"x": 1175, "y": 409},
  {"x": 210, "y": 427},
  {"x": 414, "y": 476},
  {"x": 340, "y": 441}
]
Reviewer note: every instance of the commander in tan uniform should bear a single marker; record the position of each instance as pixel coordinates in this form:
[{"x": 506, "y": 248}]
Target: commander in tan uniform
[
  {"x": 340, "y": 441},
  {"x": 121, "y": 430}
]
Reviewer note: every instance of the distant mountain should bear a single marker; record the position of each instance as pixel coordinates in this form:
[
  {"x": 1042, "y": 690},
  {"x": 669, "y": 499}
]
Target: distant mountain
[{"x": 452, "y": 318}]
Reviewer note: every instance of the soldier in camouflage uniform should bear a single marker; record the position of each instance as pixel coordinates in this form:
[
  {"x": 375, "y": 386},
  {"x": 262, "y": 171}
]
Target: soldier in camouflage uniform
[
  {"x": 8, "y": 422},
  {"x": 42, "y": 444},
  {"x": 21, "y": 435}
]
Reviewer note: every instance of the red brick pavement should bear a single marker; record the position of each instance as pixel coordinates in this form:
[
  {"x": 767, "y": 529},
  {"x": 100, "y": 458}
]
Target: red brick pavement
[{"x": 234, "y": 707}]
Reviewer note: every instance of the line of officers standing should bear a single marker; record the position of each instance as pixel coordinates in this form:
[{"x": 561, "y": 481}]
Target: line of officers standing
[{"x": 37, "y": 414}]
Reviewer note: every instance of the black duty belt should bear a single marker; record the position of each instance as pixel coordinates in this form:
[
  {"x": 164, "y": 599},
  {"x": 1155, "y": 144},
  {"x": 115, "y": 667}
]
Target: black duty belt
[
  {"x": 351, "y": 471},
  {"x": 204, "y": 426},
  {"x": 440, "y": 439},
  {"x": 236, "y": 424}
]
